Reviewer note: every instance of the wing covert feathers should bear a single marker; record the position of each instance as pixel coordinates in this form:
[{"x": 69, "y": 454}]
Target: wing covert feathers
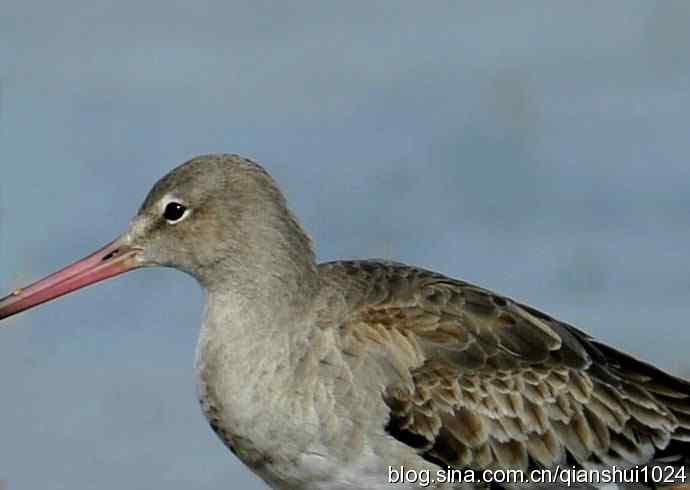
[{"x": 482, "y": 381}]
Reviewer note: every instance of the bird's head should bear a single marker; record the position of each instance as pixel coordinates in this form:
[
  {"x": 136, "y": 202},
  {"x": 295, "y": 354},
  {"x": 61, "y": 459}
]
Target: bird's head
[{"x": 220, "y": 218}]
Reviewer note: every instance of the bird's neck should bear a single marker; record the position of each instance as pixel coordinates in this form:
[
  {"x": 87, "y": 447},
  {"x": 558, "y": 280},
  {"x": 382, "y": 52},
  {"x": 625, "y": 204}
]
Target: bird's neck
[
  {"x": 249, "y": 352},
  {"x": 272, "y": 320},
  {"x": 259, "y": 296},
  {"x": 257, "y": 332},
  {"x": 272, "y": 265}
]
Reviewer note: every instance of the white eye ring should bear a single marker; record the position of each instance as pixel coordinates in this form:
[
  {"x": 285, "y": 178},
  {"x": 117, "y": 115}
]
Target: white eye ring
[{"x": 175, "y": 211}]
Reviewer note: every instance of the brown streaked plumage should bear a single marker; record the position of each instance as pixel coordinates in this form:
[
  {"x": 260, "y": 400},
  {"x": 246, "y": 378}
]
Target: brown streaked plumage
[
  {"x": 485, "y": 382},
  {"x": 324, "y": 376}
]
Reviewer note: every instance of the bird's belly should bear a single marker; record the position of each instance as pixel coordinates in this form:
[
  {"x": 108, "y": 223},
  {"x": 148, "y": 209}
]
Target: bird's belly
[
  {"x": 327, "y": 472},
  {"x": 324, "y": 470}
]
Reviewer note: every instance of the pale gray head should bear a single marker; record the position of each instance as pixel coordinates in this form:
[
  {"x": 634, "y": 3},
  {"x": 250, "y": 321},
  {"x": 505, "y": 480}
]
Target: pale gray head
[
  {"x": 215, "y": 216},
  {"x": 219, "y": 217}
]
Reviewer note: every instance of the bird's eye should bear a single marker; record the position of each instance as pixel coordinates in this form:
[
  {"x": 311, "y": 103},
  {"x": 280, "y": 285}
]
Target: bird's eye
[{"x": 174, "y": 212}]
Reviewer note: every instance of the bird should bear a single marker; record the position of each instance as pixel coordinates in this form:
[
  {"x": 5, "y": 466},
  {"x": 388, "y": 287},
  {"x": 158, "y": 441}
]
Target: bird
[{"x": 374, "y": 374}]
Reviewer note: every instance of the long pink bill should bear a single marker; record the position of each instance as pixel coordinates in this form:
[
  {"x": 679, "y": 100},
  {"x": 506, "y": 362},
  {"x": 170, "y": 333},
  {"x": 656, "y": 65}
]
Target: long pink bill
[{"x": 109, "y": 261}]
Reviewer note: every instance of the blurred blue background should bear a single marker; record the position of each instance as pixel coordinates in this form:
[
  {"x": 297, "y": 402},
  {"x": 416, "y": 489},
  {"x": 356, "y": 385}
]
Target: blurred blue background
[{"x": 539, "y": 149}]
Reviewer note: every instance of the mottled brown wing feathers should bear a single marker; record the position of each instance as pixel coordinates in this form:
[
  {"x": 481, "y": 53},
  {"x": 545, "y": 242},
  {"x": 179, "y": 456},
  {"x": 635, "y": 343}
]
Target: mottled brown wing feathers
[{"x": 486, "y": 382}]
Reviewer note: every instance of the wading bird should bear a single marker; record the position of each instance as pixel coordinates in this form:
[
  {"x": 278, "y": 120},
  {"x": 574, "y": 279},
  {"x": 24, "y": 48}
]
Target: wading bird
[{"x": 327, "y": 376}]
